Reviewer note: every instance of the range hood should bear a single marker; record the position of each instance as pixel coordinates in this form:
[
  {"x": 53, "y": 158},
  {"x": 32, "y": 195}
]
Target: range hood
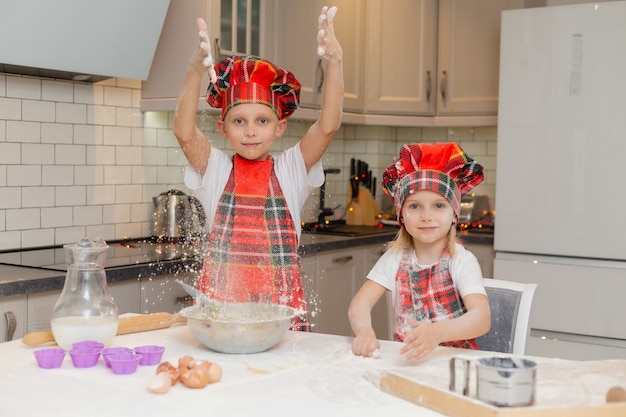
[{"x": 83, "y": 40}]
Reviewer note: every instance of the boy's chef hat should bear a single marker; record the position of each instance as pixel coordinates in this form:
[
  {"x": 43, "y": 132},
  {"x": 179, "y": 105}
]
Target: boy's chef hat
[
  {"x": 248, "y": 79},
  {"x": 442, "y": 167}
]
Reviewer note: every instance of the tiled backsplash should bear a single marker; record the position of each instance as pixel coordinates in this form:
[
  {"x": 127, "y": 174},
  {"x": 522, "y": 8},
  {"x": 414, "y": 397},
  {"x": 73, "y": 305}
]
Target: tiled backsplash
[{"x": 82, "y": 160}]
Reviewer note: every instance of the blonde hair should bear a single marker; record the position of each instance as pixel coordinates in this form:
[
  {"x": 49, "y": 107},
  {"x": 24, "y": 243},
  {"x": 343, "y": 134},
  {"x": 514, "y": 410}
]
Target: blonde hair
[{"x": 404, "y": 240}]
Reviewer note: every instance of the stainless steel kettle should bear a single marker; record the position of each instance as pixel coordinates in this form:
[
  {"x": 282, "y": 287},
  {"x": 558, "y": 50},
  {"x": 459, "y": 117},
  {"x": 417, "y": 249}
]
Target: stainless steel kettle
[{"x": 177, "y": 216}]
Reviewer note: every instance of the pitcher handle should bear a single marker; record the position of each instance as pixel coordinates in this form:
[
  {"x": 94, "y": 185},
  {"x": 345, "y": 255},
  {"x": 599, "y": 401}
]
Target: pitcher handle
[
  {"x": 466, "y": 366},
  {"x": 199, "y": 210}
]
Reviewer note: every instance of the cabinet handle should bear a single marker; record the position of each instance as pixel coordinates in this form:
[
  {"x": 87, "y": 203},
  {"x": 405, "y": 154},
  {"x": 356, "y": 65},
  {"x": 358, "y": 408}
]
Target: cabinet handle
[
  {"x": 343, "y": 260},
  {"x": 443, "y": 85},
  {"x": 218, "y": 50},
  {"x": 11, "y": 325},
  {"x": 429, "y": 85},
  {"x": 320, "y": 75}
]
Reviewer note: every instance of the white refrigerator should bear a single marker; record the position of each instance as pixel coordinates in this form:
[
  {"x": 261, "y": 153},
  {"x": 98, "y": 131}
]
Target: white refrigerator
[{"x": 561, "y": 174}]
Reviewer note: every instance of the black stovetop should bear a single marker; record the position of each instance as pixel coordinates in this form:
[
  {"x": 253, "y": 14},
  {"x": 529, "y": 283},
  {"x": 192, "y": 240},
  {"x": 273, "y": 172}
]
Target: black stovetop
[{"x": 120, "y": 253}]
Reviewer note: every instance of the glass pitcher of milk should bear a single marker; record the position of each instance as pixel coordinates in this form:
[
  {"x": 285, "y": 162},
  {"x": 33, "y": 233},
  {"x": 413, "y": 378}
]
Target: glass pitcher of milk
[{"x": 85, "y": 309}]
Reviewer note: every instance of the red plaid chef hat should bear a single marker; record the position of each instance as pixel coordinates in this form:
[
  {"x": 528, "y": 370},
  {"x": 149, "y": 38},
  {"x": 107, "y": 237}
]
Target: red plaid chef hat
[
  {"x": 248, "y": 79},
  {"x": 441, "y": 167}
]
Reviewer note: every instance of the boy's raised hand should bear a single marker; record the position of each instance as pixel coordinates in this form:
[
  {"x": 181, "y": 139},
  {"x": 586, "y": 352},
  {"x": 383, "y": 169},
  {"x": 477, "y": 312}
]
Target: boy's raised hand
[
  {"x": 203, "y": 53},
  {"x": 327, "y": 44}
]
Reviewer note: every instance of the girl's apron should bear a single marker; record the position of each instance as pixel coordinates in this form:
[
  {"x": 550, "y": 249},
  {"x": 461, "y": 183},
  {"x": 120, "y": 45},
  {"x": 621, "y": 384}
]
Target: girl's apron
[
  {"x": 427, "y": 295},
  {"x": 253, "y": 244}
]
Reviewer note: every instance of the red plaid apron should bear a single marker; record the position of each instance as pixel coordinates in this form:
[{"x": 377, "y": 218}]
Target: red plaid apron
[
  {"x": 253, "y": 244},
  {"x": 427, "y": 295}
]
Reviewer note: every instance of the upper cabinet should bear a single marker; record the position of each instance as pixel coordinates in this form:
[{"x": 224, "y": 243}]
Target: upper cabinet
[
  {"x": 293, "y": 45},
  {"x": 434, "y": 58},
  {"x": 406, "y": 62},
  {"x": 401, "y": 60},
  {"x": 468, "y": 55}
]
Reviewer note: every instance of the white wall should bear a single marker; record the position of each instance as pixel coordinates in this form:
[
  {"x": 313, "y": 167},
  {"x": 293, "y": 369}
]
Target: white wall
[{"x": 81, "y": 159}]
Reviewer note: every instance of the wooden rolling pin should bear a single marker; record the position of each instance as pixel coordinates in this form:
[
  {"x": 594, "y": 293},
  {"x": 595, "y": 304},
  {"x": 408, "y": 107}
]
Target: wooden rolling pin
[{"x": 132, "y": 324}]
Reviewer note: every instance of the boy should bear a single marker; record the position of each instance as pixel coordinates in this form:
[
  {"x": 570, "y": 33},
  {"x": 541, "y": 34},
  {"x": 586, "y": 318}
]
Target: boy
[{"x": 252, "y": 200}]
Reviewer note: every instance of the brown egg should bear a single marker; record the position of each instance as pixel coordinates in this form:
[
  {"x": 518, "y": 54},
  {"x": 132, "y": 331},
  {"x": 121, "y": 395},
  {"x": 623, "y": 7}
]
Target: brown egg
[
  {"x": 197, "y": 377},
  {"x": 160, "y": 383},
  {"x": 616, "y": 395},
  {"x": 215, "y": 373}
]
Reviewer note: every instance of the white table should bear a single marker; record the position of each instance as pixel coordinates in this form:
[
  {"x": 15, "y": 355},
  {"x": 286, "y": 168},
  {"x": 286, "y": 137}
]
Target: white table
[{"x": 306, "y": 374}]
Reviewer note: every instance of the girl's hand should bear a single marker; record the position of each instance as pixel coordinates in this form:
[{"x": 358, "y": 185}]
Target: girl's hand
[
  {"x": 421, "y": 340},
  {"x": 366, "y": 345},
  {"x": 202, "y": 60},
  {"x": 328, "y": 46}
]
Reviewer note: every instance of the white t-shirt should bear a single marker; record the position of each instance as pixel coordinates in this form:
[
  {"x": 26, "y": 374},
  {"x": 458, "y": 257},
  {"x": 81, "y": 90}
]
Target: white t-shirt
[
  {"x": 464, "y": 268},
  {"x": 296, "y": 183}
]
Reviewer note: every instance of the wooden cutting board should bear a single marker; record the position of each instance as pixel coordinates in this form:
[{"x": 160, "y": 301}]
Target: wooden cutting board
[
  {"x": 564, "y": 389},
  {"x": 363, "y": 212}
]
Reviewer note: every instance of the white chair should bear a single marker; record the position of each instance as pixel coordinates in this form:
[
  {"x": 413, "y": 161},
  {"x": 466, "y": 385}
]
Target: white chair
[{"x": 510, "y": 304}]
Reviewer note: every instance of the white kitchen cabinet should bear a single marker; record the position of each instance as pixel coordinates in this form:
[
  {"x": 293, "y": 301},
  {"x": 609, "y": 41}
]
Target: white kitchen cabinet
[
  {"x": 426, "y": 59},
  {"x": 162, "y": 293},
  {"x": 435, "y": 62},
  {"x": 434, "y": 58},
  {"x": 13, "y": 313},
  {"x": 331, "y": 279},
  {"x": 485, "y": 254},
  {"x": 293, "y": 45},
  {"x": 337, "y": 273},
  {"x": 468, "y": 58},
  {"x": 401, "y": 57}
]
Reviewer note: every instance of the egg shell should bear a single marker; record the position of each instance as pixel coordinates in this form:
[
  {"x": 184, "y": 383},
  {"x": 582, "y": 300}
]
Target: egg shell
[
  {"x": 173, "y": 371},
  {"x": 160, "y": 383}
]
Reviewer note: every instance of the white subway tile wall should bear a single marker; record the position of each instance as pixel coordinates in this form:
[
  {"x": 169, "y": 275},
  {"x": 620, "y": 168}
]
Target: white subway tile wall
[{"x": 82, "y": 160}]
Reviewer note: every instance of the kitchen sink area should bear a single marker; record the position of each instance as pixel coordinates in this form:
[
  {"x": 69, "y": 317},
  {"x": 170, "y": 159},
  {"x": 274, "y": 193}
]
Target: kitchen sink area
[{"x": 340, "y": 228}]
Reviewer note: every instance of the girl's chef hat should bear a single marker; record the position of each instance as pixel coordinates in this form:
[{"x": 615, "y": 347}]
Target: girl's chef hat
[
  {"x": 248, "y": 79},
  {"x": 441, "y": 167}
]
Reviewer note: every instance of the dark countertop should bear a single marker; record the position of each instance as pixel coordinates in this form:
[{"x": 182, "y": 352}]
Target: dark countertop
[
  {"x": 20, "y": 280},
  {"x": 479, "y": 237}
]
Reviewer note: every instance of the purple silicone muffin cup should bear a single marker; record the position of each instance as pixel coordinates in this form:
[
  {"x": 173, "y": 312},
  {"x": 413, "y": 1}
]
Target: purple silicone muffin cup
[
  {"x": 112, "y": 351},
  {"x": 124, "y": 363},
  {"x": 88, "y": 344},
  {"x": 85, "y": 357},
  {"x": 49, "y": 358},
  {"x": 151, "y": 354}
]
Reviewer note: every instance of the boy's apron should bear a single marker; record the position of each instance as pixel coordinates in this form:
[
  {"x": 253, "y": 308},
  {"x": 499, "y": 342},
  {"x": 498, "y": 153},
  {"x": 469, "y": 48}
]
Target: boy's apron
[
  {"x": 253, "y": 244},
  {"x": 427, "y": 295}
]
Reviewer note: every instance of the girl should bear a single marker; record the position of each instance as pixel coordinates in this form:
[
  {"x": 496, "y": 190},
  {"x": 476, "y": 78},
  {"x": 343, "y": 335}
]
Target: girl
[{"x": 436, "y": 284}]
